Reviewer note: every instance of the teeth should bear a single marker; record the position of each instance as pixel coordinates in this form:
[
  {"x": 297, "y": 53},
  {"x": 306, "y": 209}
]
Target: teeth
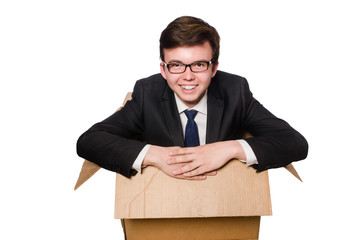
[{"x": 188, "y": 87}]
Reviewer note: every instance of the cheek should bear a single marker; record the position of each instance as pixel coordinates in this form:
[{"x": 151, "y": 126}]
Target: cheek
[
  {"x": 172, "y": 81},
  {"x": 205, "y": 80}
]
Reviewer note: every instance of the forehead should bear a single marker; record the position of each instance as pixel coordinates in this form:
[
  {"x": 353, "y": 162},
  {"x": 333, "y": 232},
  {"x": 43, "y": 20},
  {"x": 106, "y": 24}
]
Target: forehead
[{"x": 189, "y": 54}]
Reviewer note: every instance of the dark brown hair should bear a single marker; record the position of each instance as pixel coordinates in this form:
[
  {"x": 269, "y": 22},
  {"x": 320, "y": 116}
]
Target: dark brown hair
[{"x": 189, "y": 31}]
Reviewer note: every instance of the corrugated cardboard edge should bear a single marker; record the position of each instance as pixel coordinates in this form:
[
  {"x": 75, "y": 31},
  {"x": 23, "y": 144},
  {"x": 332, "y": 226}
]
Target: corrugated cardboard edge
[{"x": 89, "y": 168}]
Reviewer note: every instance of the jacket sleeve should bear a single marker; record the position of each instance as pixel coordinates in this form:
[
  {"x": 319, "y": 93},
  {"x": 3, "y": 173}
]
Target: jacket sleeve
[
  {"x": 111, "y": 143},
  {"x": 275, "y": 142}
]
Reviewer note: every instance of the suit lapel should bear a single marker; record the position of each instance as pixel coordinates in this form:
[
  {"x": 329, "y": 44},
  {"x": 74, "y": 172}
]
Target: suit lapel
[
  {"x": 172, "y": 117},
  {"x": 215, "y": 108}
]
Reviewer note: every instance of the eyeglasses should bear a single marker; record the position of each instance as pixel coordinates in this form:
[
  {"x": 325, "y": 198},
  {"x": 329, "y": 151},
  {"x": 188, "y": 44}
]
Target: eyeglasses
[{"x": 200, "y": 66}]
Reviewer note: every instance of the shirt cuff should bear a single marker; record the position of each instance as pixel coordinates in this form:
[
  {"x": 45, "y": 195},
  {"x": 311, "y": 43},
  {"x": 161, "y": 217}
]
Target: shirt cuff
[
  {"x": 137, "y": 165},
  {"x": 249, "y": 153}
]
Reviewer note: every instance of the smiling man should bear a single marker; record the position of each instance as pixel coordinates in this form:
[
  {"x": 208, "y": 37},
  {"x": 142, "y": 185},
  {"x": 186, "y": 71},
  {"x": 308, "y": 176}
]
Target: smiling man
[{"x": 191, "y": 116}]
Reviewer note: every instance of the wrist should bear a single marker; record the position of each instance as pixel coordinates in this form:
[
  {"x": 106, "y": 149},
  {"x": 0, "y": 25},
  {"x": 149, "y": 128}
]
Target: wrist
[
  {"x": 150, "y": 157},
  {"x": 236, "y": 150}
]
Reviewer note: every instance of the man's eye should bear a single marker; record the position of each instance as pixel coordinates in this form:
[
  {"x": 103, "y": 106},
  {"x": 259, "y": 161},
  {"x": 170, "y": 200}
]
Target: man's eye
[
  {"x": 175, "y": 65},
  {"x": 199, "y": 64}
]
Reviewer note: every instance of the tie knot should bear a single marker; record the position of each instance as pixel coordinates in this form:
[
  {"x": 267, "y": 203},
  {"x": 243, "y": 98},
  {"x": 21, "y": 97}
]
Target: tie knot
[{"x": 190, "y": 114}]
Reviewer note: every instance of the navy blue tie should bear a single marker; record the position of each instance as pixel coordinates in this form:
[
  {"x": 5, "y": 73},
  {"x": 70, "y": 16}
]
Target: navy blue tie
[{"x": 191, "y": 132}]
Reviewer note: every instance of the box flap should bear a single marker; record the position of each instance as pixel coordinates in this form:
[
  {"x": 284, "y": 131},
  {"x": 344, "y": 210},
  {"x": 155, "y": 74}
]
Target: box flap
[
  {"x": 236, "y": 190},
  {"x": 89, "y": 168},
  {"x": 292, "y": 170},
  {"x": 87, "y": 171}
]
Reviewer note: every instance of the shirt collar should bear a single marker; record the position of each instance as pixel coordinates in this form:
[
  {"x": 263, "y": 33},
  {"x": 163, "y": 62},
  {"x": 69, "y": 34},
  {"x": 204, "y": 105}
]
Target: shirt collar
[{"x": 201, "y": 107}]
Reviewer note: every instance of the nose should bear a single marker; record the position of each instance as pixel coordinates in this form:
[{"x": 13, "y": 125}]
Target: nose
[{"x": 188, "y": 75}]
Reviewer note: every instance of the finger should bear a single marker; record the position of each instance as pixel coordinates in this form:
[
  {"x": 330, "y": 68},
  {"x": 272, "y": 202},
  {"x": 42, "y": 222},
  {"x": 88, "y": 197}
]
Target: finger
[
  {"x": 180, "y": 159},
  {"x": 199, "y": 177},
  {"x": 182, "y": 151},
  {"x": 195, "y": 172},
  {"x": 187, "y": 168},
  {"x": 213, "y": 173}
]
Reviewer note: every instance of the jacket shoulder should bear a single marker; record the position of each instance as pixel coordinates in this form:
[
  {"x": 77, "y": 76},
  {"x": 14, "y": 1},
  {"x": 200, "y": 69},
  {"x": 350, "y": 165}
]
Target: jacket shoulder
[
  {"x": 151, "y": 85},
  {"x": 151, "y": 80},
  {"x": 227, "y": 83},
  {"x": 221, "y": 76}
]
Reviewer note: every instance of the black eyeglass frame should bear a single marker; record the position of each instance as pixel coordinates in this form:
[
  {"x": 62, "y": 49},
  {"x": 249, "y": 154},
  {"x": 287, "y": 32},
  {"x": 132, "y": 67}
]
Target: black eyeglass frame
[{"x": 189, "y": 65}]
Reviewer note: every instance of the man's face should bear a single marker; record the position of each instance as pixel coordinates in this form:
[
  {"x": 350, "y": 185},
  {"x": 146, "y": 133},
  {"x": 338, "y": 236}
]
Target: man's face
[{"x": 189, "y": 86}]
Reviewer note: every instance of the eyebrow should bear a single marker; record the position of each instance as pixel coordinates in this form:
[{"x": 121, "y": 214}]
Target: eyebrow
[{"x": 178, "y": 61}]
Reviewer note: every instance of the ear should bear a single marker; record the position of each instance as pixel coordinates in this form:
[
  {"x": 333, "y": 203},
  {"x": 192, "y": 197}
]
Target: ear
[
  {"x": 214, "y": 68},
  {"x": 162, "y": 70}
]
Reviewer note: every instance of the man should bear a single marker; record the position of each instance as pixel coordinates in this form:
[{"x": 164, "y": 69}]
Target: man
[{"x": 184, "y": 146}]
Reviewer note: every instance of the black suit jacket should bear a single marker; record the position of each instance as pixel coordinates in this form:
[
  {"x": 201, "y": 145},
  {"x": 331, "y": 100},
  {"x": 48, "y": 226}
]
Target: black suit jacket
[{"x": 152, "y": 115}]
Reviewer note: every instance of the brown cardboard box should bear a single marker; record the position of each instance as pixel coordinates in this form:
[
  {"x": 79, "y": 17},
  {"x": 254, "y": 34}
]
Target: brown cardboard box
[
  {"x": 153, "y": 205},
  {"x": 226, "y": 206},
  {"x": 235, "y": 191}
]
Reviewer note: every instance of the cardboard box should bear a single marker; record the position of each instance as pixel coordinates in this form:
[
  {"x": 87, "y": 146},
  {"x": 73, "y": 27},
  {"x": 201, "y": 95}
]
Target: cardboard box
[
  {"x": 226, "y": 206},
  {"x": 153, "y": 205}
]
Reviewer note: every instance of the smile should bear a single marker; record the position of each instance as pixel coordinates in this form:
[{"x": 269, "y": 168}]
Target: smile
[{"x": 188, "y": 87}]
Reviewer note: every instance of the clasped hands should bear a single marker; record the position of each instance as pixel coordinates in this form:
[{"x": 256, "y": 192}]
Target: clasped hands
[{"x": 195, "y": 163}]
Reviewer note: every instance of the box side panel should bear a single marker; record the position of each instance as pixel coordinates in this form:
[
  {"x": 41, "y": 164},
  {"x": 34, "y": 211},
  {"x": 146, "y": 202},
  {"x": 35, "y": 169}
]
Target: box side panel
[
  {"x": 236, "y": 190},
  {"x": 192, "y": 228}
]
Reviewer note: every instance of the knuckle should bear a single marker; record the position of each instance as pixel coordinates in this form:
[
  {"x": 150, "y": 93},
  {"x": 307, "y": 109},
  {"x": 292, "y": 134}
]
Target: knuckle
[
  {"x": 185, "y": 168},
  {"x": 195, "y": 172},
  {"x": 190, "y": 167}
]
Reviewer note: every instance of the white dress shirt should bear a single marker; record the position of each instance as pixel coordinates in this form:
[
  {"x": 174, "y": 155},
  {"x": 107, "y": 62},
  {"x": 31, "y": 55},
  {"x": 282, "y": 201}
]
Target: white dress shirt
[{"x": 201, "y": 120}]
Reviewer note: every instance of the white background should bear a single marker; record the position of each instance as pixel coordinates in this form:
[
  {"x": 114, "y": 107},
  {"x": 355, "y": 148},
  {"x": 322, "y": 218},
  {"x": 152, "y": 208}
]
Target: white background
[{"x": 65, "y": 65}]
